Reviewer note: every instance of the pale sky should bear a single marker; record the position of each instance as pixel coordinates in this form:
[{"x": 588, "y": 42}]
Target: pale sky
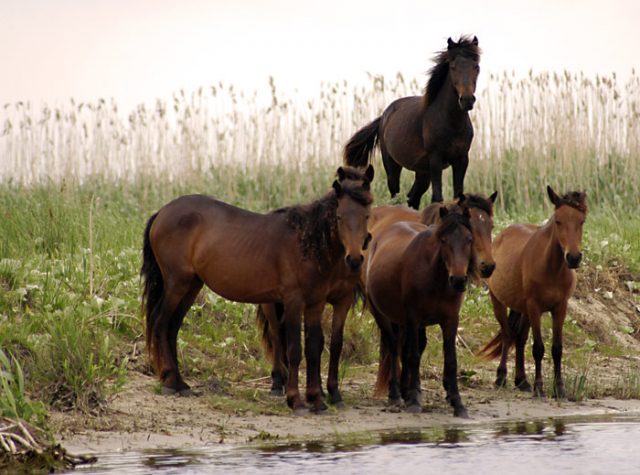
[{"x": 138, "y": 50}]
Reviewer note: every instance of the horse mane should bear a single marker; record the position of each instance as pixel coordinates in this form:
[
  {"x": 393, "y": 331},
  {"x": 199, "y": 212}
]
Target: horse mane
[
  {"x": 575, "y": 199},
  {"x": 448, "y": 225},
  {"x": 479, "y": 202},
  {"x": 316, "y": 222},
  {"x": 438, "y": 73}
]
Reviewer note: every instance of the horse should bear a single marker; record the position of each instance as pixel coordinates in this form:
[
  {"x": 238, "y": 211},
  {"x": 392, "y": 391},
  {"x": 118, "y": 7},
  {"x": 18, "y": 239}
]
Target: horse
[
  {"x": 416, "y": 276},
  {"x": 535, "y": 273},
  {"x": 426, "y": 133},
  {"x": 481, "y": 218},
  {"x": 288, "y": 256}
]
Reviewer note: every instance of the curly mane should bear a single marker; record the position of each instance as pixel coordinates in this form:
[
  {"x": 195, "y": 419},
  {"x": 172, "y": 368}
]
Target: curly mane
[
  {"x": 575, "y": 199},
  {"x": 316, "y": 222}
]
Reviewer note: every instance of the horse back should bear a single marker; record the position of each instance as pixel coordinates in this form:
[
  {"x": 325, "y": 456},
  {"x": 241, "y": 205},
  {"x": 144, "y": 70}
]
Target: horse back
[
  {"x": 384, "y": 216},
  {"x": 239, "y": 254}
]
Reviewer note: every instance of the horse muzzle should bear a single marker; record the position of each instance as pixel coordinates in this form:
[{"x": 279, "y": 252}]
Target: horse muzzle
[
  {"x": 573, "y": 259},
  {"x": 354, "y": 263},
  {"x": 466, "y": 102},
  {"x": 487, "y": 269},
  {"x": 458, "y": 283}
]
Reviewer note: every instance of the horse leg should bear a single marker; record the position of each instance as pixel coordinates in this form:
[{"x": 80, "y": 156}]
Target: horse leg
[
  {"x": 292, "y": 320},
  {"x": 500, "y": 312},
  {"x": 459, "y": 169},
  {"x": 422, "y": 345},
  {"x": 172, "y": 309},
  {"x": 435, "y": 173},
  {"x": 174, "y": 326},
  {"x": 340, "y": 311},
  {"x": 521, "y": 340},
  {"x": 411, "y": 364},
  {"x": 449, "y": 327},
  {"x": 535, "y": 317},
  {"x": 393, "y": 170},
  {"x": 313, "y": 346},
  {"x": 277, "y": 338},
  {"x": 558, "y": 314},
  {"x": 420, "y": 185}
]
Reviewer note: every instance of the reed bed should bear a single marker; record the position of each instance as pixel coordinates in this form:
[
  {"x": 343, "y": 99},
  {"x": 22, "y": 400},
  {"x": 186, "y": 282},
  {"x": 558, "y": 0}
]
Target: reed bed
[{"x": 569, "y": 130}]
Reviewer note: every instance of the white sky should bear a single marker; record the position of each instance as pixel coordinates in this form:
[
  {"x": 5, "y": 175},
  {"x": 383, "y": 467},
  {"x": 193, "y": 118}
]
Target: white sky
[{"x": 137, "y": 50}]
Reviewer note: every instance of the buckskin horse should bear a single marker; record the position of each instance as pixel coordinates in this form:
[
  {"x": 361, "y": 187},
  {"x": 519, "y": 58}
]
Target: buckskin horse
[
  {"x": 426, "y": 133},
  {"x": 287, "y": 256},
  {"x": 416, "y": 276},
  {"x": 535, "y": 274}
]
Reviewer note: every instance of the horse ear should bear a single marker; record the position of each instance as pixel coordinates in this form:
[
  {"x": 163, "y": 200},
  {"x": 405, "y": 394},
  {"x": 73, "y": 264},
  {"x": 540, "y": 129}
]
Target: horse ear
[
  {"x": 450, "y": 43},
  {"x": 369, "y": 172},
  {"x": 443, "y": 211},
  {"x": 474, "y": 41},
  {"x": 466, "y": 213},
  {"x": 336, "y": 186},
  {"x": 494, "y": 196},
  {"x": 341, "y": 174},
  {"x": 555, "y": 199}
]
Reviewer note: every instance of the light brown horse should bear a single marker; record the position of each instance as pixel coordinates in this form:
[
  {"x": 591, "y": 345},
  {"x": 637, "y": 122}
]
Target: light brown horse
[
  {"x": 416, "y": 276},
  {"x": 535, "y": 274},
  {"x": 288, "y": 256},
  {"x": 426, "y": 133}
]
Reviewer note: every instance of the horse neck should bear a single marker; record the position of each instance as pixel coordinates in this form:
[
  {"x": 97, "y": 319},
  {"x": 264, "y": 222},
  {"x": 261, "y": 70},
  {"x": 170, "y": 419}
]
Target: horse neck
[{"x": 446, "y": 101}]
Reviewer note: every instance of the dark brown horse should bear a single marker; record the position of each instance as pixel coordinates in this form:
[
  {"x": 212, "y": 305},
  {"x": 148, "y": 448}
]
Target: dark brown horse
[
  {"x": 416, "y": 276},
  {"x": 535, "y": 274},
  {"x": 426, "y": 133},
  {"x": 288, "y": 256}
]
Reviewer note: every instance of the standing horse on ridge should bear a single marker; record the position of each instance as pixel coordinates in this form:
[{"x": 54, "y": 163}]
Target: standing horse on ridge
[{"x": 426, "y": 133}]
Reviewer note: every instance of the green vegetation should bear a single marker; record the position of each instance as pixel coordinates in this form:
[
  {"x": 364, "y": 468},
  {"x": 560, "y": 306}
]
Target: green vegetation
[{"x": 79, "y": 183}]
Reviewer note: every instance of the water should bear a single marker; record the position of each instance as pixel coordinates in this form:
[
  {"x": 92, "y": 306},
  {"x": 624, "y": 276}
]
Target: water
[{"x": 589, "y": 446}]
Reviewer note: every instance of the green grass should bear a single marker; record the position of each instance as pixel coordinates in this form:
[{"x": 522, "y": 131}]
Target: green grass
[{"x": 70, "y": 295}]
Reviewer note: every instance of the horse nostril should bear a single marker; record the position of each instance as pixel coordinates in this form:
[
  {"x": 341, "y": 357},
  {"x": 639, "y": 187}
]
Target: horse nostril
[
  {"x": 458, "y": 283},
  {"x": 573, "y": 260},
  {"x": 354, "y": 263},
  {"x": 487, "y": 269}
]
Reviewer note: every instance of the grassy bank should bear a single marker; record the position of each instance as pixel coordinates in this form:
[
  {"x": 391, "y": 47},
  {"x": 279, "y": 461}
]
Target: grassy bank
[{"x": 69, "y": 307}]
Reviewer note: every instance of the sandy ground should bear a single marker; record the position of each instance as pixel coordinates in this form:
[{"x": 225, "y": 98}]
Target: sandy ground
[{"x": 137, "y": 418}]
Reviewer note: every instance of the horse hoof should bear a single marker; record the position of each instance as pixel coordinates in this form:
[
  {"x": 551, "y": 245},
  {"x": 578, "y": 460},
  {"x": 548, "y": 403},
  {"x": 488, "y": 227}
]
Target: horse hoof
[
  {"x": 188, "y": 392},
  {"x": 461, "y": 412},
  {"x": 524, "y": 386},
  {"x": 166, "y": 391},
  {"x": 394, "y": 402},
  {"x": 414, "y": 408},
  {"x": 500, "y": 383},
  {"x": 276, "y": 392},
  {"x": 340, "y": 405},
  {"x": 538, "y": 393},
  {"x": 301, "y": 411}
]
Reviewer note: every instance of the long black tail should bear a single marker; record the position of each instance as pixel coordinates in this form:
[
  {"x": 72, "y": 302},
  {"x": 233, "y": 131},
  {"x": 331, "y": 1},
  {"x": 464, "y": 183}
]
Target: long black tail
[
  {"x": 493, "y": 349},
  {"x": 358, "y": 150},
  {"x": 267, "y": 342},
  {"x": 153, "y": 288}
]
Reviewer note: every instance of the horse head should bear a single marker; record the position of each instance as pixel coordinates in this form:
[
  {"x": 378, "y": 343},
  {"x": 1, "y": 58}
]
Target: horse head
[
  {"x": 464, "y": 59},
  {"x": 353, "y": 193},
  {"x": 456, "y": 240},
  {"x": 568, "y": 220},
  {"x": 481, "y": 219}
]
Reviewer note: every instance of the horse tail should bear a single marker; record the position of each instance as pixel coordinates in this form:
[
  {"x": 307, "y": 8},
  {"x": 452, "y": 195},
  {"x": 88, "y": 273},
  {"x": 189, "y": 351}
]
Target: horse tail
[
  {"x": 384, "y": 370},
  {"x": 263, "y": 323},
  {"x": 152, "y": 290},
  {"x": 359, "y": 148},
  {"x": 493, "y": 349}
]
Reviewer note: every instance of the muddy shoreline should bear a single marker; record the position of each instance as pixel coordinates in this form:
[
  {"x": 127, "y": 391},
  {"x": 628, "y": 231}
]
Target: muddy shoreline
[{"x": 139, "y": 419}]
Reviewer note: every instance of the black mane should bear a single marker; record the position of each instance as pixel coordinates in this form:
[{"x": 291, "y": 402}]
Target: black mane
[{"x": 438, "y": 73}]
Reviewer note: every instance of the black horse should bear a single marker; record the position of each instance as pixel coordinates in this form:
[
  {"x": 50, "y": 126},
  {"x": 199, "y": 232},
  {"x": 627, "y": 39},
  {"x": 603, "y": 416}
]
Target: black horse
[{"x": 426, "y": 133}]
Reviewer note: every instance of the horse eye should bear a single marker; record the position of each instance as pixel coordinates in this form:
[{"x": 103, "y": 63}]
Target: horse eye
[
  {"x": 339, "y": 218},
  {"x": 558, "y": 222},
  {"x": 477, "y": 68}
]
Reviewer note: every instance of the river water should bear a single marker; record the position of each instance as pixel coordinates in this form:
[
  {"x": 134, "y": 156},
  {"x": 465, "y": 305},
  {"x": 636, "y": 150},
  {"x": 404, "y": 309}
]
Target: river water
[{"x": 587, "y": 445}]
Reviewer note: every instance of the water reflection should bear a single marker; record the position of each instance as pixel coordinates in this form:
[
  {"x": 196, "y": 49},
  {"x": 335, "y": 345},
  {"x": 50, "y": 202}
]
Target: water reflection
[{"x": 542, "y": 447}]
